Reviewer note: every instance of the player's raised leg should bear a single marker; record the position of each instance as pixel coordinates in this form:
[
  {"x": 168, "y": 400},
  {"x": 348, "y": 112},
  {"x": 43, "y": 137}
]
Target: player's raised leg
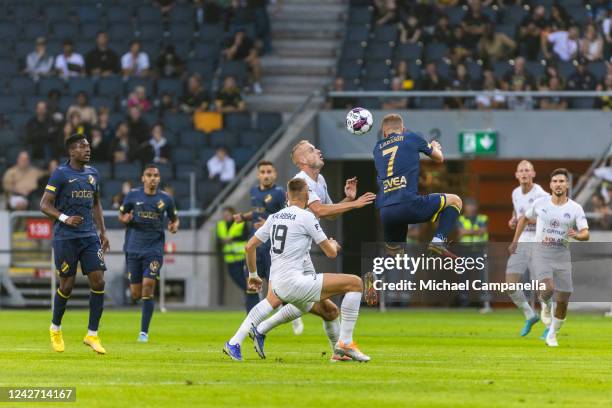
[{"x": 450, "y": 209}]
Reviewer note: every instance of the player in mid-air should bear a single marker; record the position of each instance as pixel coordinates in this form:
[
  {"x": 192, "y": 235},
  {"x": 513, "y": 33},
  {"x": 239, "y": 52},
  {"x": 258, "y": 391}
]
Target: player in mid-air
[
  {"x": 293, "y": 278},
  {"x": 72, "y": 199},
  {"x": 523, "y": 198},
  {"x": 266, "y": 198},
  {"x": 558, "y": 218},
  {"x": 397, "y": 161},
  {"x": 144, "y": 211}
]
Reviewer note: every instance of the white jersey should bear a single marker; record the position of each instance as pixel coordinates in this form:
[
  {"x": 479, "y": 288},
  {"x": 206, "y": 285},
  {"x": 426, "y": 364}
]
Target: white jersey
[
  {"x": 317, "y": 190},
  {"x": 291, "y": 232},
  {"x": 554, "y": 221},
  {"x": 522, "y": 202}
]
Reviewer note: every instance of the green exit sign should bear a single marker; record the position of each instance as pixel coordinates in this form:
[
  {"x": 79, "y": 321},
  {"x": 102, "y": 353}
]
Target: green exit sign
[{"x": 478, "y": 142}]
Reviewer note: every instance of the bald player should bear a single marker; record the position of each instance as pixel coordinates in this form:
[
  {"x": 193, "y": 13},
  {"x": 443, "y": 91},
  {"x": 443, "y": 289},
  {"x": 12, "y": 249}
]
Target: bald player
[{"x": 523, "y": 198}]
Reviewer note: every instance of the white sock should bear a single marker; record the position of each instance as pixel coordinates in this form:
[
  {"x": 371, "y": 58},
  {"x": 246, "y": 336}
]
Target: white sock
[
  {"x": 436, "y": 239},
  {"x": 519, "y": 299},
  {"x": 92, "y": 333},
  {"x": 55, "y": 327},
  {"x": 286, "y": 314},
  {"x": 349, "y": 311},
  {"x": 546, "y": 303},
  {"x": 556, "y": 324},
  {"x": 256, "y": 315},
  {"x": 332, "y": 329}
]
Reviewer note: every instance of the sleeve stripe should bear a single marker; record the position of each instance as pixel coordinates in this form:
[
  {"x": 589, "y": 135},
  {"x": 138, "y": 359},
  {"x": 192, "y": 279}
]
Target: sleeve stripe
[{"x": 50, "y": 188}]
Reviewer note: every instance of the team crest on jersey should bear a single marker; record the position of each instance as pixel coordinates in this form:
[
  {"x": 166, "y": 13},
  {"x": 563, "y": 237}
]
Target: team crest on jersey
[
  {"x": 160, "y": 204},
  {"x": 566, "y": 215},
  {"x": 91, "y": 180},
  {"x": 555, "y": 223},
  {"x": 154, "y": 266},
  {"x": 530, "y": 200},
  {"x": 268, "y": 198}
]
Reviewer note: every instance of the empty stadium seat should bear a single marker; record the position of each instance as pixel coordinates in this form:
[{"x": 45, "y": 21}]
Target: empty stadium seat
[
  {"x": 379, "y": 50},
  {"x": 63, "y": 30},
  {"x": 269, "y": 121},
  {"x": 149, "y": 14},
  {"x": 104, "y": 169},
  {"x": 357, "y": 34},
  {"x": 127, "y": 171},
  {"x": 22, "y": 86},
  {"x": 582, "y": 103},
  {"x": 192, "y": 139},
  {"x": 34, "y": 30},
  {"x": 151, "y": 32},
  {"x": 111, "y": 187},
  {"x": 183, "y": 155},
  {"x": 19, "y": 119},
  {"x": 253, "y": 138},
  {"x": 242, "y": 155},
  {"x": 238, "y": 121},
  {"x": 208, "y": 190},
  {"x": 408, "y": 51},
  {"x": 178, "y": 122},
  {"x": 110, "y": 86},
  {"x": 85, "y": 84},
  {"x": 47, "y": 84},
  {"x": 435, "y": 51},
  {"x": 455, "y": 15},
  {"x": 223, "y": 138},
  {"x": 147, "y": 83},
  {"x": 205, "y": 154},
  {"x": 182, "y": 15},
  {"x": 386, "y": 33},
  {"x": 360, "y": 15},
  {"x": 184, "y": 170},
  {"x": 211, "y": 33},
  {"x": 99, "y": 101},
  {"x": 88, "y": 14},
  {"x": 170, "y": 85},
  {"x": 119, "y": 15}
]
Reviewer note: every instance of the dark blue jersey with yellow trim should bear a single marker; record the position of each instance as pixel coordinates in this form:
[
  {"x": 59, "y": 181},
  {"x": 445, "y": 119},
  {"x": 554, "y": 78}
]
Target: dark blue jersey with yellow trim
[
  {"x": 397, "y": 162},
  {"x": 74, "y": 192},
  {"x": 266, "y": 202},
  {"x": 145, "y": 233}
]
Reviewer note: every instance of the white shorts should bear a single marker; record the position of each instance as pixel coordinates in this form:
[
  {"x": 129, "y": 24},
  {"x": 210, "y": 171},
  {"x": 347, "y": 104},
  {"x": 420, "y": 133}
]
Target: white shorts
[
  {"x": 521, "y": 260},
  {"x": 300, "y": 289},
  {"x": 556, "y": 265}
]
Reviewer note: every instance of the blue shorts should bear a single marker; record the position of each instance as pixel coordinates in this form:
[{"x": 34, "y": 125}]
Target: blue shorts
[
  {"x": 143, "y": 265},
  {"x": 68, "y": 252},
  {"x": 396, "y": 218},
  {"x": 264, "y": 261}
]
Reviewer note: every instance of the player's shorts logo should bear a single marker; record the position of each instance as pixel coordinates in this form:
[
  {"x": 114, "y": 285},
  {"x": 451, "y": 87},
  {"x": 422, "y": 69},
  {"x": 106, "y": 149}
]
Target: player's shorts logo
[
  {"x": 160, "y": 204},
  {"x": 101, "y": 255},
  {"x": 154, "y": 266},
  {"x": 64, "y": 267},
  {"x": 91, "y": 180}
]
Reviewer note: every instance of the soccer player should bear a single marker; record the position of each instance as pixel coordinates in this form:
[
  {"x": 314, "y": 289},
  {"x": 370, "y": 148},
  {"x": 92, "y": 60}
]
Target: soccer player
[
  {"x": 397, "y": 161},
  {"x": 72, "y": 199},
  {"x": 144, "y": 212},
  {"x": 294, "y": 280},
  {"x": 523, "y": 197},
  {"x": 556, "y": 218},
  {"x": 266, "y": 198},
  {"x": 308, "y": 159}
]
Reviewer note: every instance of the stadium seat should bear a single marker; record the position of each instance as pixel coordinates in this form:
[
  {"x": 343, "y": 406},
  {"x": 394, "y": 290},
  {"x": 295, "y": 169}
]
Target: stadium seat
[
  {"x": 352, "y": 52},
  {"x": 369, "y": 103},
  {"x": 431, "y": 103},
  {"x": 377, "y": 69},
  {"x": 408, "y": 51},
  {"x": 90, "y": 30},
  {"x": 203, "y": 67},
  {"x": 104, "y": 168},
  {"x": 205, "y": 153},
  {"x": 55, "y": 47},
  {"x": 237, "y": 122},
  {"x": 474, "y": 70},
  {"x": 85, "y": 84},
  {"x": 171, "y": 136},
  {"x": 120, "y": 32},
  {"x": 149, "y": 31},
  {"x": 269, "y": 121},
  {"x": 9, "y": 137},
  {"x": 11, "y": 104},
  {"x": 360, "y": 15},
  {"x": 192, "y": 139},
  {"x": 31, "y": 101},
  {"x": 47, "y": 84},
  {"x": 8, "y": 30},
  {"x": 22, "y": 86},
  {"x": 582, "y": 103},
  {"x": 55, "y": 12},
  {"x": 513, "y": 14},
  {"x": 111, "y": 86},
  {"x": 491, "y": 13},
  {"x": 184, "y": 170},
  {"x": 88, "y": 14},
  {"x": 566, "y": 68},
  {"x": 206, "y": 51},
  {"x": 181, "y": 32},
  {"x": 535, "y": 68},
  {"x": 509, "y": 29},
  {"x": 34, "y": 30},
  {"x": 379, "y": 50},
  {"x": 127, "y": 171},
  {"x": 64, "y": 30},
  {"x": 376, "y": 84},
  {"x": 223, "y": 138},
  {"x": 211, "y": 33},
  {"x": 500, "y": 68},
  {"x": 165, "y": 171},
  {"x": 242, "y": 155},
  {"x": 455, "y": 15},
  {"x": 350, "y": 70},
  {"x": 578, "y": 13},
  {"x": 99, "y": 101},
  {"x": 115, "y": 118},
  {"x": 19, "y": 119},
  {"x": 207, "y": 191},
  {"x": 147, "y": 83},
  {"x": 435, "y": 51},
  {"x": 253, "y": 138},
  {"x": 149, "y": 14},
  {"x": 178, "y": 122},
  {"x": 25, "y": 12},
  {"x": 357, "y": 34},
  {"x": 183, "y": 155},
  {"x": 597, "y": 68},
  {"x": 237, "y": 69},
  {"x": 182, "y": 15},
  {"x": 170, "y": 85},
  {"x": 386, "y": 33},
  {"x": 444, "y": 68},
  {"x": 111, "y": 187},
  {"x": 120, "y": 15}
]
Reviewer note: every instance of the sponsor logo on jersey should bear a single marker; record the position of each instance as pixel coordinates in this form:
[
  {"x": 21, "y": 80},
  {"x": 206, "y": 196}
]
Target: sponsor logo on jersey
[
  {"x": 150, "y": 215},
  {"x": 85, "y": 194},
  {"x": 394, "y": 183}
]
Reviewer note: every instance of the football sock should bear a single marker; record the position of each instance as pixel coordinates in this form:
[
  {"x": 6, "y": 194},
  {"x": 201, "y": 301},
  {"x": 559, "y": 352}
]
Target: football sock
[
  {"x": 332, "y": 329},
  {"x": 92, "y": 332},
  {"x": 519, "y": 299},
  {"x": 148, "y": 305},
  {"x": 96, "y": 306},
  {"x": 448, "y": 221},
  {"x": 286, "y": 314},
  {"x": 349, "y": 310},
  {"x": 251, "y": 300},
  {"x": 59, "y": 307},
  {"x": 255, "y": 316},
  {"x": 556, "y": 324}
]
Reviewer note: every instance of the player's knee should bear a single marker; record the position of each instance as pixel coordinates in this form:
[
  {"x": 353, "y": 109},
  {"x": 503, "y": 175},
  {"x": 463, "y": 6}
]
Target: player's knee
[
  {"x": 356, "y": 284},
  {"x": 98, "y": 284},
  {"x": 454, "y": 200},
  {"x": 66, "y": 289}
]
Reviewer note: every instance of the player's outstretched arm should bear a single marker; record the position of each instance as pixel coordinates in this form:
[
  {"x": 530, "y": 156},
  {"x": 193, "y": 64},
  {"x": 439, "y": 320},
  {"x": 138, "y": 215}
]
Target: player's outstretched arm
[
  {"x": 332, "y": 210},
  {"x": 436, "y": 152},
  {"x": 47, "y": 207},
  {"x": 98, "y": 216}
]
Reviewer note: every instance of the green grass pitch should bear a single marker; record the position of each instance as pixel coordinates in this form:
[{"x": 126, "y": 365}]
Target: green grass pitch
[{"x": 419, "y": 359}]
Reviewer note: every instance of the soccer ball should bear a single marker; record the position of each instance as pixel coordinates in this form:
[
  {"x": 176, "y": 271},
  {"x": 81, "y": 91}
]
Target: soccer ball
[{"x": 359, "y": 121}]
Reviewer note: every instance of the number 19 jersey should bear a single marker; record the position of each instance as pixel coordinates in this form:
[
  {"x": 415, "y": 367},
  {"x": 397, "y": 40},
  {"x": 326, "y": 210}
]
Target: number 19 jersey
[{"x": 291, "y": 232}]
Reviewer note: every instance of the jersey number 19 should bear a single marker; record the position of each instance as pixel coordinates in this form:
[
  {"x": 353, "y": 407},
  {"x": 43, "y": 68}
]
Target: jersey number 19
[{"x": 278, "y": 237}]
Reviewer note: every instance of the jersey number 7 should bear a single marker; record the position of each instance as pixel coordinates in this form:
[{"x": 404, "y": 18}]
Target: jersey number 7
[
  {"x": 278, "y": 237},
  {"x": 392, "y": 151}
]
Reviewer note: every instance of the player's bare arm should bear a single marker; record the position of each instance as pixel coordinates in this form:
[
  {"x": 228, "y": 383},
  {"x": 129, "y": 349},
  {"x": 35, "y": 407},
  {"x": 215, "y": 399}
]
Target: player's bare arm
[
  {"x": 47, "y": 207},
  {"x": 173, "y": 225},
  {"x": 436, "y": 152},
  {"x": 98, "y": 216},
  {"x": 331, "y": 210},
  {"x": 253, "y": 281},
  {"x": 330, "y": 248},
  {"x": 126, "y": 218},
  {"x": 512, "y": 221},
  {"x": 520, "y": 227},
  {"x": 582, "y": 235}
]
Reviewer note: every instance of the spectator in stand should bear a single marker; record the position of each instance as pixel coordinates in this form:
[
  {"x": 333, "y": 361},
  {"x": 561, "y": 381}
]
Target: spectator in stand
[
  {"x": 402, "y": 72},
  {"x": 40, "y": 133},
  {"x": 559, "y": 20},
  {"x": 122, "y": 147},
  {"x": 410, "y": 30},
  {"x": 167, "y": 104},
  {"x": 397, "y": 102},
  {"x": 442, "y": 31},
  {"x": 99, "y": 149},
  {"x": 591, "y": 44},
  {"x": 551, "y": 72},
  {"x": 517, "y": 77},
  {"x": 20, "y": 181},
  {"x": 262, "y": 22},
  {"x": 53, "y": 106},
  {"x": 87, "y": 112},
  {"x": 75, "y": 124},
  {"x": 118, "y": 198},
  {"x": 520, "y": 102},
  {"x": 195, "y": 98},
  {"x": 209, "y": 12},
  {"x": 474, "y": 23},
  {"x": 564, "y": 44},
  {"x": 165, "y": 6},
  {"x": 461, "y": 81},
  {"x": 169, "y": 64},
  {"x": 340, "y": 103},
  {"x": 138, "y": 98},
  {"x": 530, "y": 32},
  {"x": 492, "y": 98},
  {"x": 553, "y": 102},
  {"x": 43, "y": 179},
  {"x": 581, "y": 79},
  {"x": 605, "y": 102},
  {"x": 228, "y": 98},
  {"x": 386, "y": 11},
  {"x": 102, "y": 61},
  {"x": 159, "y": 145},
  {"x": 495, "y": 46},
  {"x": 138, "y": 127},
  {"x": 39, "y": 63},
  {"x": 603, "y": 213},
  {"x": 606, "y": 28},
  {"x": 221, "y": 167},
  {"x": 242, "y": 48},
  {"x": 460, "y": 46},
  {"x": 69, "y": 63},
  {"x": 432, "y": 81},
  {"x": 135, "y": 62},
  {"x": 104, "y": 124}
]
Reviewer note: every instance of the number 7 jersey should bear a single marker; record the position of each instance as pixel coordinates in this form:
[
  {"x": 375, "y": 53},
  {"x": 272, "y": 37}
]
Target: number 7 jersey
[
  {"x": 291, "y": 232},
  {"x": 397, "y": 161}
]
